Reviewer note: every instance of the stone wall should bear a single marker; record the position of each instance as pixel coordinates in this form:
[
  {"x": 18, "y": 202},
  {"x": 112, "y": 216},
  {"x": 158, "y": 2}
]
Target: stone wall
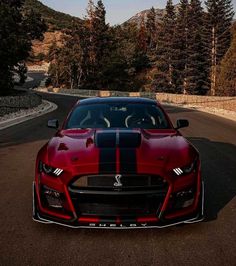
[
  {"x": 11, "y": 104},
  {"x": 224, "y": 103},
  {"x": 38, "y": 68}
]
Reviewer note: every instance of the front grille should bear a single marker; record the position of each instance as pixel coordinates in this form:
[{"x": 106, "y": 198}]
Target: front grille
[
  {"x": 114, "y": 205},
  {"x": 96, "y": 195},
  {"x": 127, "y": 181}
]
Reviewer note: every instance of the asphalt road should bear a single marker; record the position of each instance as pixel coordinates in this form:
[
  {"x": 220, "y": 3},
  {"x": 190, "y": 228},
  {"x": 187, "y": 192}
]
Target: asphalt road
[{"x": 24, "y": 242}]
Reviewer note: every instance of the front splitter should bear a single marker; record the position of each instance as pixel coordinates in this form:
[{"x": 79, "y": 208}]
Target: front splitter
[{"x": 194, "y": 218}]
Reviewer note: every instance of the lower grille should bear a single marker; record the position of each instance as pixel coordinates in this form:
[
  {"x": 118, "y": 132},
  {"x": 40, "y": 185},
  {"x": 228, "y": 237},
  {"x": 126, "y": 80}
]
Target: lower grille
[
  {"x": 139, "y": 196},
  {"x": 113, "y": 205}
]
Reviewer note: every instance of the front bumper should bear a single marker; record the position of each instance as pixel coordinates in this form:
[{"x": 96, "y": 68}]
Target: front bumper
[{"x": 148, "y": 222}]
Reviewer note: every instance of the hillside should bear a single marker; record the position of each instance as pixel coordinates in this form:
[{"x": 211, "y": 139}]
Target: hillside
[
  {"x": 136, "y": 19},
  {"x": 56, "y": 20},
  {"x": 41, "y": 48}
]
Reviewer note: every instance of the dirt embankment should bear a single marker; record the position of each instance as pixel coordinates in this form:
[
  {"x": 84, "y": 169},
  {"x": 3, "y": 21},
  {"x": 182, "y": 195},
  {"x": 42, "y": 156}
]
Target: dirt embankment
[{"x": 42, "y": 47}]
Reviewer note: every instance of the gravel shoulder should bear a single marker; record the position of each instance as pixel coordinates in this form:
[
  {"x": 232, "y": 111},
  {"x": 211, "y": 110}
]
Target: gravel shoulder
[{"x": 26, "y": 114}]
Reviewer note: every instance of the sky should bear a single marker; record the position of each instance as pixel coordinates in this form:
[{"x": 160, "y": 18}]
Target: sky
[{"x": 118, "y": 11}]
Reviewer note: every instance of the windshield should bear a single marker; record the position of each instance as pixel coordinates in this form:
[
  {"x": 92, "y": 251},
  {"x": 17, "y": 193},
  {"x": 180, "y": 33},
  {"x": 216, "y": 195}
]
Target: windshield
[{"x": 113, "y": 115}]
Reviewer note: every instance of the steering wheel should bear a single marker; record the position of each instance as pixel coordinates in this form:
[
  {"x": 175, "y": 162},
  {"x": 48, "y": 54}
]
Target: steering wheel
[
  {"x": 132, "y": 121},
  {"x": 95, "y": 123}
]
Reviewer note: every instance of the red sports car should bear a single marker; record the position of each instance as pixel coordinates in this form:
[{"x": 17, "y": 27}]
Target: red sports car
[{"x": 118, "y": 163}]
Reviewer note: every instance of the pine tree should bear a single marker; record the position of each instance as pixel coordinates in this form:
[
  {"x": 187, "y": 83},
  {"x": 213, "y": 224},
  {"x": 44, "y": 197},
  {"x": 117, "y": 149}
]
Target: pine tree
[
  {"x": 142, "y": 36},
  {"x": 21, "y": 70},
  {"x": 98, "y": 41},
  {"x": 101, "y": 31},
  {"x": 165, "y": 79},
  {"x": 126, "y": 41},
  {"x": 181, "y": 42},
  {"x": 151, "y": 28},
  {"x": 90, "y": 9},
  {"x": 74, "y": 56},
  {"x": 69, "y": 64},
  {"x": 52, "y": 57},
  {"x": 91, "y": 55},
  {"x": 90, "y": 24},
  {"x": 218, "y": 20},
  {"x": 226, "y": 81},
  {"x": 16, "y": 33},
  {"x": 197, "y": 72}
]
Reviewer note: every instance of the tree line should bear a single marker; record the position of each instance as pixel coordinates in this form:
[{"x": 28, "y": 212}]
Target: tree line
[
  {"x": 95, "y": 55},
  {"x": 191, "y": 44},
  {"x": 189, "y": 50},
  {"x": 182, "y": 52}
]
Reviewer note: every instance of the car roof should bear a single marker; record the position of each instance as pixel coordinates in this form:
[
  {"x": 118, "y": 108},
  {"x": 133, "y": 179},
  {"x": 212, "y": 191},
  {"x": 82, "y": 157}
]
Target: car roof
[{"x": 116, "y": 100}]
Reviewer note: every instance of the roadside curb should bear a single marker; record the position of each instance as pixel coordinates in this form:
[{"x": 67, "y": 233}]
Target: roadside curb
[
  {"x": 34, "y": 114},
  {"x": 63, "y": 94},
  {"x": 29, "y": 79},
  {"x": 230, "y": 115}
]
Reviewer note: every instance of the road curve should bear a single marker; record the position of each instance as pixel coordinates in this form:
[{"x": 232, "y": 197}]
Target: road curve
[{"x": 24, "y": 242}]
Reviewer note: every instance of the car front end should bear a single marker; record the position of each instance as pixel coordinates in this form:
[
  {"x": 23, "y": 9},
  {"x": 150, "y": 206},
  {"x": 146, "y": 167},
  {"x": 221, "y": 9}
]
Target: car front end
[{"x": 131, "y": 186}]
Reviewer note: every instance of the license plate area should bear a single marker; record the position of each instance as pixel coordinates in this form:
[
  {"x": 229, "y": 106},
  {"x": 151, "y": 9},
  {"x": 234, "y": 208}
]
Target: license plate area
[{"x": 117, "y": 205}]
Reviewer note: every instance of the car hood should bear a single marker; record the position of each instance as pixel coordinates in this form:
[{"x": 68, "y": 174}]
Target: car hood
[{"x": 88, "y": 149}]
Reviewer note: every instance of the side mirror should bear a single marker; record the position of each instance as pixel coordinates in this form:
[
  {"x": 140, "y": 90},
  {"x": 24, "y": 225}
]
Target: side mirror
[
  {"x": 54, "y": 123},
  {"x": 182, "y": 123}
]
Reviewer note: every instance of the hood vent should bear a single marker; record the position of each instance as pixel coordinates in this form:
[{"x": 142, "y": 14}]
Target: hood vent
[{"x": 120, "y": 139}]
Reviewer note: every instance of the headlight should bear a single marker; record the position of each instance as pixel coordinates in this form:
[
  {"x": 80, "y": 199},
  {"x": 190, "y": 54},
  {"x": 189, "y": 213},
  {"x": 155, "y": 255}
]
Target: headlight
[
  {"x": 187, "y": 169},
  {"x": 49, "y": 170}
]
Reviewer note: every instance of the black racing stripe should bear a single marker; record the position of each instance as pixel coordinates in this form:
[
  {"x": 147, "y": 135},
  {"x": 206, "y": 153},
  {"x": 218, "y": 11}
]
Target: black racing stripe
[
  {"x": 127, "y": 142},
  {"x": 107, "y": 161},
  {"x": 129, "y": 139},
  {"x": 106, "y": 140},
  {"x": 128, "y": 161}
]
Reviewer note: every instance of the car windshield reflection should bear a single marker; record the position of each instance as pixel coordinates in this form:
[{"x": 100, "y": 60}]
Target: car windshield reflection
[{"x": 132, "y": 115}]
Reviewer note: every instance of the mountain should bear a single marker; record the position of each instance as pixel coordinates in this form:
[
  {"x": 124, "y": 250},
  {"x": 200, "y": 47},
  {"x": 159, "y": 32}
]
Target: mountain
[
  {"x": 55, "y": 20},
  {"x": 136, "y": 19}
]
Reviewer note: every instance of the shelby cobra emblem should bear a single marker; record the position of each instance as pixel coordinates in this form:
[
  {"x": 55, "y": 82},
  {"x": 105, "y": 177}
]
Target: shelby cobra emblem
[{"x": 118, "y": 182}]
